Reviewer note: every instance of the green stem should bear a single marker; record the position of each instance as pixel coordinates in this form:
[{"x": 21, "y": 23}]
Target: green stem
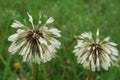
[
  {"x": 72, "y": 40},
  {"x": 90, "y": 75},
  {"x": 35, "y": 71}
]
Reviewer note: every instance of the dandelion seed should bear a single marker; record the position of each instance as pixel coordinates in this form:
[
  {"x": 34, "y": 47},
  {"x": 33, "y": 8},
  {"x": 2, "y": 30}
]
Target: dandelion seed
[
  {"x": 38, "y": 44},
  {"x": 95, "y": 54},
  {"x": 50, "y": 20}
]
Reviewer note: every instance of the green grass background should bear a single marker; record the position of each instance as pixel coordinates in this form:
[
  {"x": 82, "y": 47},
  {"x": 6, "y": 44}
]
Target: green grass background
[{"x": 72, "y": 17}]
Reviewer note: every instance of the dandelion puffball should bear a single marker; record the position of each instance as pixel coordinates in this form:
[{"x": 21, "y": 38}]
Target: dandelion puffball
[
  {"x": 36, "y": 44},
  {"x": 95, "y": 54}
]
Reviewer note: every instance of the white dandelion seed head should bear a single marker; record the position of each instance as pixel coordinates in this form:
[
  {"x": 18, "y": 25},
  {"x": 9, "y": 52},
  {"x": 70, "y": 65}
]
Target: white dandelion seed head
[
  {"x": 38, "y": 44},
  {"x": 95, "y": 54}
]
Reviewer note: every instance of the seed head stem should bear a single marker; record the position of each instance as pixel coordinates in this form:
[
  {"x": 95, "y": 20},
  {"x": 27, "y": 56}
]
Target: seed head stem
[
  {"x": 35, "y": 71},
  {"x": 90, "y": 75}
]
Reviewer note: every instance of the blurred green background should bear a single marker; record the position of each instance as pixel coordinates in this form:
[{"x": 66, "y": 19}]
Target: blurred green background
[{"x": 72, "y": 17}]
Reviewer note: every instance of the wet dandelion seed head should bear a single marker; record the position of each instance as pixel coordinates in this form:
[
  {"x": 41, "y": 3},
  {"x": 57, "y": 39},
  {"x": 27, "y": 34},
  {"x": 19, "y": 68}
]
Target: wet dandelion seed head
[
  {"x": 95, "y": 54},
  {"x": 38, "y": 44}
]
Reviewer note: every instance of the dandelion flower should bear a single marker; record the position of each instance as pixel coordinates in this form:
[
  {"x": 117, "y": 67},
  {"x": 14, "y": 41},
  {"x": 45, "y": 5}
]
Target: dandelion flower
[
  {"x": 17, "y": 66},
  {"x": 36, "y": 44},
  {"x": 95, "y": 54}
]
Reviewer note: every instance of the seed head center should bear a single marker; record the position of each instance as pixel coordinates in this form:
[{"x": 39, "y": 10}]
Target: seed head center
[
  {"x": 96, "y": 47},
  {"x": 33, "y": 36}
]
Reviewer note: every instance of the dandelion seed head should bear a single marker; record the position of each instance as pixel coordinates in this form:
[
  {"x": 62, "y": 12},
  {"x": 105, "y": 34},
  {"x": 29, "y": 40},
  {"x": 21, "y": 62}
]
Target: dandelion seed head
[
  {"x": 38, "y": 44},
  {"x": 95, "y": 54}
]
